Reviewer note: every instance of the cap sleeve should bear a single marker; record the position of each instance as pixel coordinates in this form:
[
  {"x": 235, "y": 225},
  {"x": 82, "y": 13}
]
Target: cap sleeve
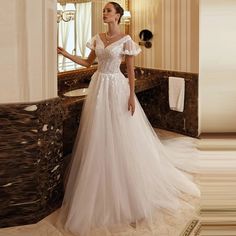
[
  {"x": 131, "y": 48},
  {"x": 91, "y": 43}
]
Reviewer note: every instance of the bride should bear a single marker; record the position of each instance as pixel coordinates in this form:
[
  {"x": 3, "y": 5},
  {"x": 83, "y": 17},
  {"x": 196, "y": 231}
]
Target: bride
[{"x": 120, "y": 173}]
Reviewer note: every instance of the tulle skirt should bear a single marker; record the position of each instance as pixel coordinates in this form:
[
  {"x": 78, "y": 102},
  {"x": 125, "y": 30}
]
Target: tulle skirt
[{"x": 120, "y": 171}]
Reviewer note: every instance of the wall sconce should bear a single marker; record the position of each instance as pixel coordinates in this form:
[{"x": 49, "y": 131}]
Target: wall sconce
[
  {"x": 65, "y": 12},
  {"x": 146, "y": 35},
  {"x": 126, "y": 17}
]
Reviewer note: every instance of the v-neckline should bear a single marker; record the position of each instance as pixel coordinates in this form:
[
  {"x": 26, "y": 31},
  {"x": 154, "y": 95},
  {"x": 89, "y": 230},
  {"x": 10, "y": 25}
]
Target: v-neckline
[{"x": 105, "y": 46}]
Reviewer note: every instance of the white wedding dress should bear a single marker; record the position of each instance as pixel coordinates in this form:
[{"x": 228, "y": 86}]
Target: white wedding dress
[{"x": 120, "y": 171}]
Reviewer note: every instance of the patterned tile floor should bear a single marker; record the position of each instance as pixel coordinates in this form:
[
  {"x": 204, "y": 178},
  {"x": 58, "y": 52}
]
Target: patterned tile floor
[{"x": 217, "y": 216}]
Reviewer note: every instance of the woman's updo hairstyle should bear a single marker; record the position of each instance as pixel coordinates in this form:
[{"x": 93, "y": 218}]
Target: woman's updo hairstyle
[{"x": 118, "y": 9}]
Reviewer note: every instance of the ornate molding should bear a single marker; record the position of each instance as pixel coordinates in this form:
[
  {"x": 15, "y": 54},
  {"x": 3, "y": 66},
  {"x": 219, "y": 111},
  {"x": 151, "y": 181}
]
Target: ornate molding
[
  {"x": 72, "y": 1},
  {"x": 82, "y": 1}
]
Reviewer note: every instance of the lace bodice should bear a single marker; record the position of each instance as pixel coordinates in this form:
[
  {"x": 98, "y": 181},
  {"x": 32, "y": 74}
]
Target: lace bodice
[{"x": 110, "y": 57}]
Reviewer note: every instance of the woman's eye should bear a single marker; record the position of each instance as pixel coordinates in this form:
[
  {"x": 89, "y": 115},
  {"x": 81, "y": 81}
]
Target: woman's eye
[{"x": 106, "y": 10}]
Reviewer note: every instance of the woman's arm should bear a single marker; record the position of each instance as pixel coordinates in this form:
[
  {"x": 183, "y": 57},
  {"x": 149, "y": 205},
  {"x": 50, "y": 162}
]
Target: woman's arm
[
  {"x": 130, "y": 69},
  {"x": 83, "y": 62}
]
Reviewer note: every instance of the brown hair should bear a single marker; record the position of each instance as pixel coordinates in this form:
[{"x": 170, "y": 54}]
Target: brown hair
[{"x": 118, "y": 9}]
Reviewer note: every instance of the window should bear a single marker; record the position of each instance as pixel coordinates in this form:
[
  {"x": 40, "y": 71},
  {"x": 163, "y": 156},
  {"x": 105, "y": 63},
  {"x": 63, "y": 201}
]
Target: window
[{"x": 74, "y": 30}]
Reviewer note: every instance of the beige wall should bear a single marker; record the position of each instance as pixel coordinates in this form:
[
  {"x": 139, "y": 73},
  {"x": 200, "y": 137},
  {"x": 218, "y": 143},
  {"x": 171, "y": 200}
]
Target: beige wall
[
  {"x": 174, "y": 24},
  {"x": 28, "y": 50},
  {"x": 217, "y": 76}
]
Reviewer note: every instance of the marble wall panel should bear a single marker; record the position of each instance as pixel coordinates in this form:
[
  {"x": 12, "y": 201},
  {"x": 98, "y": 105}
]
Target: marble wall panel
[
  {"x": 156, "y": 104},
  {"x": 31, "y": 161},
  {"x": 155, "y": 101}
]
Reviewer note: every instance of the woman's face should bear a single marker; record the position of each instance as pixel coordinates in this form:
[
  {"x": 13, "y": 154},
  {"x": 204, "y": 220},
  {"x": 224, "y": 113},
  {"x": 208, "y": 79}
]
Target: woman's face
[{"x": 109, "y": 14}]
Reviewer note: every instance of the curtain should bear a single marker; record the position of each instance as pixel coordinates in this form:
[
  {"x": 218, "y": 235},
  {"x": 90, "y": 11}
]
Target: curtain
[
  {"x": 27, "y": 49},
  {"x": 65, "y": 32},
  {"x": 83, "y": 26}
]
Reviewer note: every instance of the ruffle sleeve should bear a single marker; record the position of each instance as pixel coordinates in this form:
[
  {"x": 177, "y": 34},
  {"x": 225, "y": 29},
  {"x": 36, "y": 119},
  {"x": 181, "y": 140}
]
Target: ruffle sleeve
[
  {"x": 131, "y": 48},
  {"x": 91, "y": 43}
]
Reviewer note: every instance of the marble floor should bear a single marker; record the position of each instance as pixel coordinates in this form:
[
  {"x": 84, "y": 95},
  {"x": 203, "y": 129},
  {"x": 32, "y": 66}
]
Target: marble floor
[{"x": 217, "y": 181}]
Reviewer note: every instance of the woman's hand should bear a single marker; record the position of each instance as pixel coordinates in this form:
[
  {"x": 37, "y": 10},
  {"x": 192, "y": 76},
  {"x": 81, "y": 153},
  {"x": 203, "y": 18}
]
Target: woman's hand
[
  {"x": 131, "y": 104},
  {"x": 62, "y": 51}
]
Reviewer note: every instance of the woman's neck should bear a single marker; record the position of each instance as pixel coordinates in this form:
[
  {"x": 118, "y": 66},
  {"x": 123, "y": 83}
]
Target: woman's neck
[{"x": 113, "y": 29}]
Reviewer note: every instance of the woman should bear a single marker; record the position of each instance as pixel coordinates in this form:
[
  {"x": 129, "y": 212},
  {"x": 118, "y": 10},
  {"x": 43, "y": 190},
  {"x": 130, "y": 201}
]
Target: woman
[{"x": 120, "y": 172}]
